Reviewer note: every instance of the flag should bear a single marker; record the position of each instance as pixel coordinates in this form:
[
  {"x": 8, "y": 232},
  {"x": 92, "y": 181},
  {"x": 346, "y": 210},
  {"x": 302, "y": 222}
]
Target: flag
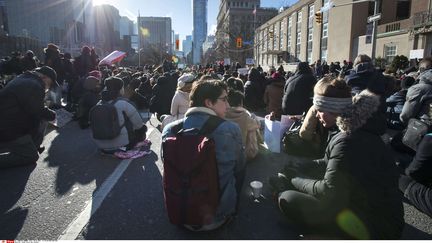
[
  {"x": 254, "y": 11},
  {"x": 113, "y": 57}
]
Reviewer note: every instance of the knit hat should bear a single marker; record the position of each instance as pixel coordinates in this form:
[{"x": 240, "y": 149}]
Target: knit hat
[
  {"x": 184, "y": 79},
  {"x": 47, "y": 71},
  {"x": 51, "y": 47},
  {"x": 91, "y": 83},
  {"x": 113, "y": 84}
]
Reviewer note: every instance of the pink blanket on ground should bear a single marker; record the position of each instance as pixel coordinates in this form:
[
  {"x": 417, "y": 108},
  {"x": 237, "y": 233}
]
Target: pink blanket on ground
[{"x": 141, "y": 149}]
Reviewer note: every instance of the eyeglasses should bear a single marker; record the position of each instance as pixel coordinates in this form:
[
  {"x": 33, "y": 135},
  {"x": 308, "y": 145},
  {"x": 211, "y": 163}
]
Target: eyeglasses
[{"x": 224, "y": 99}]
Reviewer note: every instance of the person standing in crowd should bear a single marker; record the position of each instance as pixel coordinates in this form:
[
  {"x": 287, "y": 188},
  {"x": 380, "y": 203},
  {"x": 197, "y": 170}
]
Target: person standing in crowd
[
  {"x": 356, "y": 183},
  {"x": 209, "y": 98},
  {"x": 24, "y": 117},
  {"x": 133, "y": 130},
  {"x": 298, "y": 91},
  {"x": 84, "y": 63},
  {"x": 254, "y": 90}
]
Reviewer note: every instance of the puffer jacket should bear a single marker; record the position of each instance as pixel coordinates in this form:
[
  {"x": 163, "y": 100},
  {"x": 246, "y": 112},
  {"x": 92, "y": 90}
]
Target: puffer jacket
[
  {"x": 360, "y": 175},
  {"x": 298, "y": 91},
  {"x": 124, "y": 108},
  {"x": 229, "y": 155},
  {"x": 22, "y": 106},
  {"x": 413, "y": 107}
]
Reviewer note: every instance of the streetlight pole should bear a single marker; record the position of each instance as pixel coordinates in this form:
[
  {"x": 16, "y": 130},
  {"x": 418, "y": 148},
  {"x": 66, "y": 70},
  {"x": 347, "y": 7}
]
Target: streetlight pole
[{"x": 374, "y": 29}]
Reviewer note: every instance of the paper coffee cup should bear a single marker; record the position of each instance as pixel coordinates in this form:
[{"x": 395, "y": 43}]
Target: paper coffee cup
[{"x": 256, "y": 188}]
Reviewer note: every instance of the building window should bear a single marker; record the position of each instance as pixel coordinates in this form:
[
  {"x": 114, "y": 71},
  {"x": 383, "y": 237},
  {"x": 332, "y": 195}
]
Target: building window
[
  {"x": 281, "y": 34},
  {"x": 310, "y": 33},
  {"x": 403, "y": 9},
  {"x": 390, "y": 52},
  {"x": 298, "y": 41},
  {"x": 289, "y": 34},
  {"x": 273, "y": 38},
  {"x": 324, "y": 34}
]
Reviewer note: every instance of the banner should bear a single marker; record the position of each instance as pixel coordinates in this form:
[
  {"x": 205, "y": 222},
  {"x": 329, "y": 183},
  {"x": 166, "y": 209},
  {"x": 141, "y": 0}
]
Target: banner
[{"x": 113, "y": 57}]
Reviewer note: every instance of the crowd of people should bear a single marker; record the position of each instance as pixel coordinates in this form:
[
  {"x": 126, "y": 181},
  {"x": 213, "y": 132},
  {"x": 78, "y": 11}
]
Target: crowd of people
[{"x": 346, "y": 109}]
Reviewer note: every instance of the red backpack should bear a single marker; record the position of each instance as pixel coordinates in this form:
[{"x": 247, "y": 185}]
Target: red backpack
[{"x": 190, "y": 177}]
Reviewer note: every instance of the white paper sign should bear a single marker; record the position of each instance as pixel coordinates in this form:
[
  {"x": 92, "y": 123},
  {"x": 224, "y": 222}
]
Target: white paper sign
[{"x": 416, "y": 54}]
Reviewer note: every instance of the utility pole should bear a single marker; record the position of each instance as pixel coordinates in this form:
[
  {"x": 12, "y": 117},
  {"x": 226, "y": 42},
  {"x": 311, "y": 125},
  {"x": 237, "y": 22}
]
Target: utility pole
[{"x": 374, "y": 29}]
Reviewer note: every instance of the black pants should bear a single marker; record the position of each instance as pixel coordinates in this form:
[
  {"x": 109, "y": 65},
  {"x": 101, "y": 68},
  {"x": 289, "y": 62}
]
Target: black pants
[
  {"x": 418, "y": 194},
  {"x": 23, "y": 150}
]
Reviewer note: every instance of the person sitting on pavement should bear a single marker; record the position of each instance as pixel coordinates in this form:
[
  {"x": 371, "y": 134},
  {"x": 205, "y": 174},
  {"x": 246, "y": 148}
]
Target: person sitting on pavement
[
  {"x": 415, "y": 106},
  {"x": 89, "y": 99},
  {"x": 356, "y": 181},
  {"x": 416, "y": 183},
  {"x": 24, "y": 117},
  {"x": 247, "y": 122},
  {"x": 273, "y": 95},
  {"x": 180, "y": 101},
  {"x": 396, "y": 102},
  {"x": 209, "y": 98},
  {"x": 133, "y": 131}
]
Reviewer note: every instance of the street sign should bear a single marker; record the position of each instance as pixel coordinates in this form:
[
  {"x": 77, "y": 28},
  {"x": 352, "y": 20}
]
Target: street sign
[{"x": 374, "y": 18}]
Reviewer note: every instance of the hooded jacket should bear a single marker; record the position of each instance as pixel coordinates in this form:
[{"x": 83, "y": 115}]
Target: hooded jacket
[
  {"x": 414, "y": 106},
  {"x": 298, "y": 91},
  {"x": 360, "y": 175}
]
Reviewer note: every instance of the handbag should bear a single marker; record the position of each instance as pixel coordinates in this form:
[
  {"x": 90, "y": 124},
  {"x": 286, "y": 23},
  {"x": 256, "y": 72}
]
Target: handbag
[
  {"x": 295, "y": 145},
  {"x": 415, "y": 131}
]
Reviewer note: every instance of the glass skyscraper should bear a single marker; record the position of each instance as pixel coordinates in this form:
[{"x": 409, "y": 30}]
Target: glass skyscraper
[{"x": 199, "y": 28}]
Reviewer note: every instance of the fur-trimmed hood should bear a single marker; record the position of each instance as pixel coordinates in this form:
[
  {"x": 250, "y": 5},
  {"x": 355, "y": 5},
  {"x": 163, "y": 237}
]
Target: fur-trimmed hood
[{"x": 362, "y": 114}]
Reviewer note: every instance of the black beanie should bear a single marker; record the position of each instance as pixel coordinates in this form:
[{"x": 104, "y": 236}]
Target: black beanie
[
  {"x": 47, "y": 71},
  {"x": 113, "y": 84}
]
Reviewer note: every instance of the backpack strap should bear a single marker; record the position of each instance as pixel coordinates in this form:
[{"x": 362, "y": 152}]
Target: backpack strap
[
  {"x": 210, "y": 125},
  {"x": 124, "y": 113}
]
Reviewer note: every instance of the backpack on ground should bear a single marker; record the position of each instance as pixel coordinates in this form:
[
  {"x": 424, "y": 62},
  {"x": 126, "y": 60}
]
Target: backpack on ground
[
  {"x": 104, "y": 120},
  {"x": 190, "y": 177}
]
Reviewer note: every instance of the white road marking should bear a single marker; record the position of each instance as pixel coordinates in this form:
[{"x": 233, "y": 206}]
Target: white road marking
[{"x": 76, "y": 226}]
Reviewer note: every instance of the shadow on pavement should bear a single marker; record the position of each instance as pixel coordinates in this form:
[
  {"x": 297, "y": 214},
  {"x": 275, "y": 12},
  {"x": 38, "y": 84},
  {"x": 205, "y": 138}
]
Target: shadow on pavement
[
  {"x": 13, "y": 181},
  {"x": 412, "y": 233}
]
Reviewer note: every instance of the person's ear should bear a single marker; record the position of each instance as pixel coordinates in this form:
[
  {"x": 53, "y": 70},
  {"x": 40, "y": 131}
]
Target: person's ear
[{"x": 208, "y": 103}]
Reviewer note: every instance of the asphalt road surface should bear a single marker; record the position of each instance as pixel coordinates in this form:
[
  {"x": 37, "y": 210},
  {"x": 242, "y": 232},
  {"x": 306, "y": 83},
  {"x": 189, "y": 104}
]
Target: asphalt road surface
[{"x": 73, "y": 192}]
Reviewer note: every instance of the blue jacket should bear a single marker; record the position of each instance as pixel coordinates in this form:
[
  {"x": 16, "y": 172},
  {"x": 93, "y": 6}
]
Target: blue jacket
[{"x": 229, "y": 155}]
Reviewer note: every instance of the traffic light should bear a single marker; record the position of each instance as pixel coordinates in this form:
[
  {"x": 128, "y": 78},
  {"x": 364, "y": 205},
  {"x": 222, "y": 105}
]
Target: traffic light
[
  {"x": 177, "y": 44},
  {"x": 239, "y": 42},
  {"x": 318, "y": 17}
]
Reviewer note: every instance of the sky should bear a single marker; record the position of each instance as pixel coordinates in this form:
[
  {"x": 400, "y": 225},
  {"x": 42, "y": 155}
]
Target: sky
[{"x": 180, "y": 11}]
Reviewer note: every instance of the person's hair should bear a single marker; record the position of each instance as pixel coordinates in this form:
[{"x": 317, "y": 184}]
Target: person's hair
[
  {"x": 206, "y": 89},
  {"x": 362, "y": 58},
  {"x": 332, "y": 87},
  {"x": 235, "y": 98},
  {"x": 187, "y": 87},
  {"x": 425, "y": 64},
  {"x": 206, "y": 77},
  {"x": 303, "y": 68},
  {"x": 235, "y": 83}
]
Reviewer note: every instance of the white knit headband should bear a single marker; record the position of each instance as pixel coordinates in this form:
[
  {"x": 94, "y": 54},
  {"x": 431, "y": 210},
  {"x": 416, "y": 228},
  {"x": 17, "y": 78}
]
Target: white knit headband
[{"x": 331, "y": 104}]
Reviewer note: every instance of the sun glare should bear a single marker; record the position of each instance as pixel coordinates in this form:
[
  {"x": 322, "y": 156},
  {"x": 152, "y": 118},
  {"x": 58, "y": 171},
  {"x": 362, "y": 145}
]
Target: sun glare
[{"x": 99, "y": 2}]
